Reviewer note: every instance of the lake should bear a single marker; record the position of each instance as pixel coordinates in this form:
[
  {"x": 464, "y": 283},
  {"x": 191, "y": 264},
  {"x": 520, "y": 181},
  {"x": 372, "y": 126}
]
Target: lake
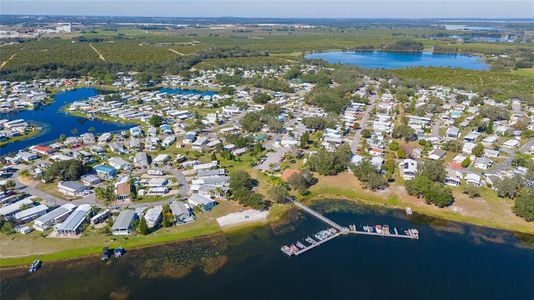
[
  {"x": 397, "y": 60},
  {"x": 449, "y": 261},
  {"x": 54, "y": 122}
]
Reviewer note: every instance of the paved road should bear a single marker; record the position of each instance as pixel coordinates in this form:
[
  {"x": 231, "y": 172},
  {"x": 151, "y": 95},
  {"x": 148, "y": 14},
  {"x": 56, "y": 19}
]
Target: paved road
[
  {"x": 508, "y": 161},
  {"x": 363, "y": 124},
  {"x": 91, "y": 198},
  {"x": 435, "y": 127},
  {"x": 182, "y": 181}
]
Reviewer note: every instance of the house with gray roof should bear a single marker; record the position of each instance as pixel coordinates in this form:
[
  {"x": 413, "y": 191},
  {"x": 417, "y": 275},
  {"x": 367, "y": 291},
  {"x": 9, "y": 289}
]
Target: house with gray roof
[{"x": 123, "y": 223}]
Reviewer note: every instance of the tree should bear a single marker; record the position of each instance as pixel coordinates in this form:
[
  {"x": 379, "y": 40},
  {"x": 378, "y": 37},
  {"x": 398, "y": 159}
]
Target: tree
[
  {"x": 304, "y": 140},
  {"x": 91, "y": 130},
  {"x": 330, "y": 163},
  {"x": 403, "y": 131},
  {"x": 509, "y": 187},
  {"x": 74, "y": 131},
  {"x": 453, "y": 146},
  {"x": 478, "y": 150},
  {"x": 524, "y": 205},
  {"x": 261, "y": 98},
  {"x": 394, "y": 146},
  {"x": 106, "y": 194},
  {"x": 167, "y": 219},
  {"x": 142, "y": 227},
  {"x": 240, "y": 179},
  {"x": 156, "y": 120},
  {"x": 252, "y": 122},
  {"x": 278, "y": 193},
  {"x": 439, "y": 195},
  {"x": 301, "y": 181},
  {"x": 489, "y": 128},
  {"x": 419, "y": 186},
  {"x": 466, "y": 162},
  {"x": 375, "y": 181},
  {"x": 366, "y": 133},
  {"x": 66, "y": 170},
  {"x": 471, "y": 191},
  {"x": 61, "y": 138},
  {"x": 432, "y": 169},
  {"x": 227, "y": 90}
]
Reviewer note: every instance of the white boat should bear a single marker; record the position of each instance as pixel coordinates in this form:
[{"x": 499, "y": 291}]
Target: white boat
[{"x": 378, "y": 228}]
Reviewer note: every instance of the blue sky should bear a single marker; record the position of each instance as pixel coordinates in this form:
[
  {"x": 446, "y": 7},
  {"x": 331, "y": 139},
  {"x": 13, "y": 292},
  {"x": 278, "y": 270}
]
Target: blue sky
[{"x": 277, "y": 8}]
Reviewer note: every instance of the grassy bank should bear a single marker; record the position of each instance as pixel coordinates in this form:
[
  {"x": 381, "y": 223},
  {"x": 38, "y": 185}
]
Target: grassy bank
[
  {"x": 487, "y": 211},
  {"x": 22, "y": 249}
]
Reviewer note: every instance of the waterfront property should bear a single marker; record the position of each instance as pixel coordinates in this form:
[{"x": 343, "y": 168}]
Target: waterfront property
[
  {"x": 72, "y": 225},
  {"x": 123, "y": 223}
]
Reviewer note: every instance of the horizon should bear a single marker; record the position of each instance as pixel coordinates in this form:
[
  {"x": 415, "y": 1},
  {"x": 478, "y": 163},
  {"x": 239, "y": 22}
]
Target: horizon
[{"x": 276, "y": 9}]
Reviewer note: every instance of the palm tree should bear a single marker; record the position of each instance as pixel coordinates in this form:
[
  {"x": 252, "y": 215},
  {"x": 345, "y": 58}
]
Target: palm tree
[
  {"x": 91, "y": 129},
  {"x": 74, "y": 131}
]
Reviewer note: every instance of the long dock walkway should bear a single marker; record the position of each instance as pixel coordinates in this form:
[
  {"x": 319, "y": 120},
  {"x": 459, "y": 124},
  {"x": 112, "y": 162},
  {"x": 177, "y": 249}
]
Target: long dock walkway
[{"x": 342, "y": 229}]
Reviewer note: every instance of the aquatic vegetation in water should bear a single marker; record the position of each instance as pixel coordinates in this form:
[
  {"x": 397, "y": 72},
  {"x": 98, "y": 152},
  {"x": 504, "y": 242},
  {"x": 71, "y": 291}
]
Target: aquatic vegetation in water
[{"x": 177, "y": 261}]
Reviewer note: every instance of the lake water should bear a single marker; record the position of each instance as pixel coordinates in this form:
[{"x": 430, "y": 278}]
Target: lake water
[
  {"x": 397, "y": 60},
  {"x": 54, "y": 122},
  {"x": 186, "y": 92},
  {"x": 449, "y": 261}
]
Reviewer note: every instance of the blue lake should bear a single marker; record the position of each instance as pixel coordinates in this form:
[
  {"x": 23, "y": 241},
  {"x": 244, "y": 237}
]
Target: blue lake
[
  {"x": 54, "y": 122},
  {"x": 398, "y": 60}
]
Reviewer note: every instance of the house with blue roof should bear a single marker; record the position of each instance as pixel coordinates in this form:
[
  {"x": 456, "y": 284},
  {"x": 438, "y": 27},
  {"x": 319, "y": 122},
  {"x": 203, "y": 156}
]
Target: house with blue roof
[
  {"x": 104, "y": 171},
  {"x": 166, "y": 129}
]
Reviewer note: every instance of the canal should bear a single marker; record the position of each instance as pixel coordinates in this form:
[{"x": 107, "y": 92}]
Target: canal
[
  {"x": 54, "y": 122},
  {"x": 449, "y": 261}
]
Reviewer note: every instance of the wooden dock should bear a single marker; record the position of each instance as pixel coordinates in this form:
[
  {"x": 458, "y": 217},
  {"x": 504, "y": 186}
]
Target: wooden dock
[
  {"x": 317, "y": 244},
  {"x": 411, "y": 233},
  {"x": 314, "y": 243},
  {"x": 338, "y": 230},
  {"x": 341, "y": 229}
]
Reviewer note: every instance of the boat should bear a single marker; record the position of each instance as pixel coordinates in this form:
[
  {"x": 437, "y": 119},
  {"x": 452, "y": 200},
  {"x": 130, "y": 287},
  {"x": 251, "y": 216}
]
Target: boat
[
  {"x": 408, "y": 210},
  {"x": 415, "y": 233},
  {"x": 286, "y": 250},
  {"x": 300, "y": 245},
  {"x": 105, "y": 254},
  {"x": 385, "y": 229},
  {"x": 35, "y": 265},
  {"x": 368, "y": 228},
  {"x": 118, "y": 252},
  {"x": 378, "y": 228},
  {"x": 310, "y": 240}
]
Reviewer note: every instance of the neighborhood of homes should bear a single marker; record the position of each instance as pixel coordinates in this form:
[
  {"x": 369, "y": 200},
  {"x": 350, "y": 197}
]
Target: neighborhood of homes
[{"x": 140, "y": 158}]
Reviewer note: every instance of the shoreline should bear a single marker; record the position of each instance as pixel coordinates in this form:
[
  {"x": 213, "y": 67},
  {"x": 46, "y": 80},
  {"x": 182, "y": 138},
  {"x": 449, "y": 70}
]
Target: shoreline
[
  {"x": 430, "y": 212},
  {"x": 13, "y": 262}
]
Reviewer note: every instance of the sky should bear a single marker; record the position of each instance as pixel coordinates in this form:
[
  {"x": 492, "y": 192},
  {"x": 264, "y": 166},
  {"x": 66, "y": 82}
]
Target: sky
[{"x": 277, "y": 8}]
